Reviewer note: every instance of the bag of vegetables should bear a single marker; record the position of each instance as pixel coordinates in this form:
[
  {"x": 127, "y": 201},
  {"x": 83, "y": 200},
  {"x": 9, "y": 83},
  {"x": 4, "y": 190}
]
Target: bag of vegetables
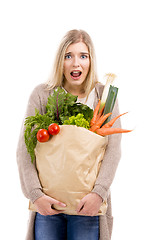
[
  {"x": 68, "y": 162},
  {"x": 68, "y": 165}
]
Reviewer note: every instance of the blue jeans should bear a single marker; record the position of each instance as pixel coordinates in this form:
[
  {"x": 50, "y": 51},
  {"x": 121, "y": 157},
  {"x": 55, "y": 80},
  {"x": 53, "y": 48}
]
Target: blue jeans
[{"x": 70, "y": 227}]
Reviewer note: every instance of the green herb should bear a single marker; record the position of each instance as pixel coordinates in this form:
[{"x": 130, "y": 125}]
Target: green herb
[
  {"x": 33, "y": 124},
  {"x": 77, "y": 120}
]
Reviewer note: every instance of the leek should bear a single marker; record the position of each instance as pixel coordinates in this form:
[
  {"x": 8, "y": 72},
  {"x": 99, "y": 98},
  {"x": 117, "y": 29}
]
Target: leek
[
  {"x": 110, "y": 101},
  {"x": 109, "y": 81}
]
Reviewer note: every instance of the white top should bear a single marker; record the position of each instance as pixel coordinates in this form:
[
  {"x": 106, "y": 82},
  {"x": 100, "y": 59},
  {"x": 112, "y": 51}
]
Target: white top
[{"x": 90, "y": 100}]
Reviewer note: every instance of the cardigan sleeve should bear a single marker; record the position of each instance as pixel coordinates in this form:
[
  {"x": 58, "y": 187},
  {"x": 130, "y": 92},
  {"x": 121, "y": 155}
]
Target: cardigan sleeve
[
  {"x": 29, "y": 180},
  {"x": 110, "y": 162}
]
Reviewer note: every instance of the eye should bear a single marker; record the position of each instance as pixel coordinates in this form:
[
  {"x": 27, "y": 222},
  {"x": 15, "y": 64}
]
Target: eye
[
  {"x": 83, "y": 56},
  {"x": 68, "y": 56}
]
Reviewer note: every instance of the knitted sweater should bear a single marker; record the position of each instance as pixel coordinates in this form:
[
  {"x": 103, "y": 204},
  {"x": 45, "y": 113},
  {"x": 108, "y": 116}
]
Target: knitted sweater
[{"x": 30, "y": 183}]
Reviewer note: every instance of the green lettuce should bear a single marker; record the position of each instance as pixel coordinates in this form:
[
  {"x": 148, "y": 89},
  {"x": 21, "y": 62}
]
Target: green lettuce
[{"x": 77, "y": 120}]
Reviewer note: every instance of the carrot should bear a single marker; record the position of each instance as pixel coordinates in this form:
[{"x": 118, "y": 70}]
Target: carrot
[
  {"x": 100, "y": 113},
  {"x": 112, "y": 121},
  {"x": 108, "y": 131},
  {"x": 94, "y": 119},
  {"x": 99, "y": 122}
]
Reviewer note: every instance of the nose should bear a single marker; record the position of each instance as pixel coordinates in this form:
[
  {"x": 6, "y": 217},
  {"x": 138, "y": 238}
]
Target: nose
[{"x": 75, "y": 62}]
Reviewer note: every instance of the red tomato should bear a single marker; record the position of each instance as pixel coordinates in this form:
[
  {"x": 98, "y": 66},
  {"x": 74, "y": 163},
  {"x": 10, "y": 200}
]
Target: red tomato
[
  {"x": 53, "y": 129},
  {"x": 42, "y": 135}
]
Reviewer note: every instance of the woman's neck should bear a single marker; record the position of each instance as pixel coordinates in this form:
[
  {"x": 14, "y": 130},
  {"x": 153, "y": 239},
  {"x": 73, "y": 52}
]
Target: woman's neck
[{"x": 75, "y": 90}]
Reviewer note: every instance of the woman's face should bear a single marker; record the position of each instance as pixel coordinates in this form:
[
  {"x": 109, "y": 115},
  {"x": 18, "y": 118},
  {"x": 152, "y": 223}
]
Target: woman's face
[{"x": 76, "y": 65}]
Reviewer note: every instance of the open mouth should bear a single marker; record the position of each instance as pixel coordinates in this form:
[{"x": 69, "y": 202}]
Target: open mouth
[{"x": 76, "y": 74}]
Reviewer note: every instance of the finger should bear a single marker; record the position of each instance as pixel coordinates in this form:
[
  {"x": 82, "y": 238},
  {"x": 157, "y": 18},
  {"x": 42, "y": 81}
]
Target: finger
[
  {"x": 80, "y": 206},
  {"x": 54, "y": 211},
  {"x": 84, "y": 212},
  {"x": 87, "y": 212},
  {"x": 44, "y": 212},
  {"x": 54, "y": 201}
]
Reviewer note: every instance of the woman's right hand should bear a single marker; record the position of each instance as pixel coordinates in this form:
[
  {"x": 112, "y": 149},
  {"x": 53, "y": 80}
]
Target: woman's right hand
[{"x": 44, "y": 205}]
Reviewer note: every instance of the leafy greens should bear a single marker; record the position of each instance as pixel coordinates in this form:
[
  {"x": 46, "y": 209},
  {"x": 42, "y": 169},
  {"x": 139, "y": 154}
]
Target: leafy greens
[
  {"x": 78, "y": 120},
  {"x": 60, "y": 107}
]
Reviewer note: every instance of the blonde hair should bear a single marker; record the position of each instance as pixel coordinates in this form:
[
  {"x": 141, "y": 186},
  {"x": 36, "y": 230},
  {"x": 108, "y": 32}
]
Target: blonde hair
[{"x": 73, "y": 36}]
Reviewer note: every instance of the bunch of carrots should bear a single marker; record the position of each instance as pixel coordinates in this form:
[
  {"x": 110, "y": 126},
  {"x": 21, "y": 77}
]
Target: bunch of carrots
[{"x": 99, "y": 118}]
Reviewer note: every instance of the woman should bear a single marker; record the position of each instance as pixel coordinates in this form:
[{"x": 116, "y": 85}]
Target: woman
[{"x": 75, "y": 71}]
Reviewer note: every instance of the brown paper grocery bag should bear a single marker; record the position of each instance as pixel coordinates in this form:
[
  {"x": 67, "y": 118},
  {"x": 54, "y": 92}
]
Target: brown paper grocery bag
[{"x": 68, "y": 165}]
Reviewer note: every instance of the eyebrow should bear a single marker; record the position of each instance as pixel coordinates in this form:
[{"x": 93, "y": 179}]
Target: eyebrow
[
  {"x": 84, "y": 53},
  {"x": 80, "y": 53}
]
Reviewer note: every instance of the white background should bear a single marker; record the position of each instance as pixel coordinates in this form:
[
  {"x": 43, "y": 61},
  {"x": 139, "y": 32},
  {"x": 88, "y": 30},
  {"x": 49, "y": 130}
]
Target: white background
[{"x": 126, "y": 38}]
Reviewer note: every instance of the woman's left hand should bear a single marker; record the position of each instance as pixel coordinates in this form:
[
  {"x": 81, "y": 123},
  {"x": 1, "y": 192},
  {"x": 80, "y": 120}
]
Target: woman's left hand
[{"x": 89, "y": 205}]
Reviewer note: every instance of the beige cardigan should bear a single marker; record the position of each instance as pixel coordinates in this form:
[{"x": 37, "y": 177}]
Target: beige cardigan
[{"x": 30, "y": 184}]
